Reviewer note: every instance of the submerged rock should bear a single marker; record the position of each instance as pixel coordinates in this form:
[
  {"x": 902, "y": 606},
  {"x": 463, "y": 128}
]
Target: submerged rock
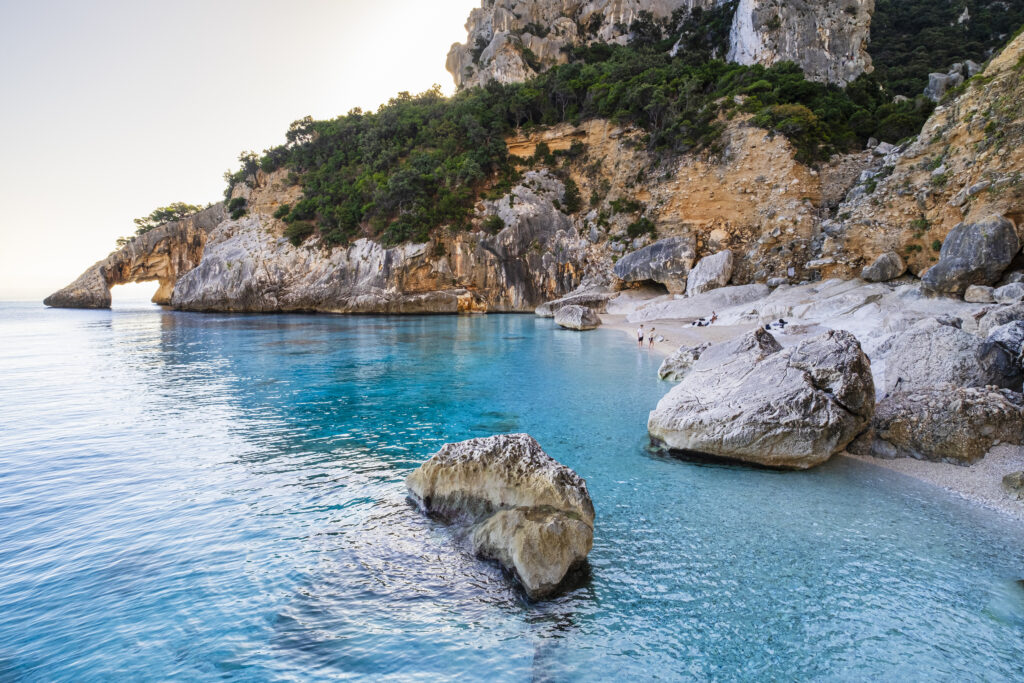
[
  {"x": 787, "y": 408},
  {"x": 888, "y": 266},
  {"x": 527, "y": 511},
  {"x": 678, "y": 365},
  {"x": 577, "y": 318},
  {"x": 973, "y": 254},
  {"x": 946, "y": 423},
  {"x": 1013, "y": 484}
]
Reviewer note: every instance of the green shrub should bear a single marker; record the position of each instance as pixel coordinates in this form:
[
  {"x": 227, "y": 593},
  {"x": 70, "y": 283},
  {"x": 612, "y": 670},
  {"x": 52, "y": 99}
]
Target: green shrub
[
  {"x": 643, "y": 226},
  {"x": 282, "y": 211},
  {"x": 236, "y": 207},
  {"x": 626, "y": 206},
  {"x": 493, "y": 224},
  {"x": 571, "y": 199},
  {"x": 298, "y": 231}
]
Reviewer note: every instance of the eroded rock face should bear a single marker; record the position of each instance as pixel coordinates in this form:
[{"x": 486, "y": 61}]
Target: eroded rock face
[
  {"x": 827, "y": 39},
  {"x": 678, "y": 365},
  {"x": 163, "y": 254},
  {"x": 596, "y": 301},
  {"x": 888, "y": 266},
  {"x": 973, "y": 254},
  {"x": 577, "y": 318},
  {"x": 931, "y": 353},
  {"x": 535, "y": 258},
  {"x": 946, "y": 423},
  {"x": 667, "y": 262},
  {"x": 791, "y": 408},
  {"x": 526, "y": 510},
  {"x": 501, "y": 30},
  {"x": 711, "y": 272}
]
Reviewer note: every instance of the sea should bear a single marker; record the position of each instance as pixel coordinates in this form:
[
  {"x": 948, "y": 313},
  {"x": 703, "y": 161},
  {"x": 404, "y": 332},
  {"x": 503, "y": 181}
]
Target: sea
[{"x": 195, "y": 497}]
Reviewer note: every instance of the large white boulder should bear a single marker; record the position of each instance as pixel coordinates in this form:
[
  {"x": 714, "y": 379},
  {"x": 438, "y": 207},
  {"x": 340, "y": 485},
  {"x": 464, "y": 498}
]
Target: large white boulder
[
  {"x": 786, "y": 408},
  {"x": 711, "y": 272},
  {"x": 525, "y": 510}
]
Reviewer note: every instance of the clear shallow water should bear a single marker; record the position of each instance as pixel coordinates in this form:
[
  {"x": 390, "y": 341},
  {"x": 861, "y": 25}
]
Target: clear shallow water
[{"x": 193, "y": 497}]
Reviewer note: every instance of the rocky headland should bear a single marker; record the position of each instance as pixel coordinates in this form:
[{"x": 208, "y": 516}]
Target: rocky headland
[{"x": 868, "y": 301}]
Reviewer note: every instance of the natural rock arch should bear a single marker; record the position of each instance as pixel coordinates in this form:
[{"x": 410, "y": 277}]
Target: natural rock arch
[{"x": 163, "y": 254}]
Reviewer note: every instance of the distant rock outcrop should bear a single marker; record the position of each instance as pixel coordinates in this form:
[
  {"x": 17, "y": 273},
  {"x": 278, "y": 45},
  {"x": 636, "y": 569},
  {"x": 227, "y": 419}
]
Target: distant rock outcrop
[
  {"x": 827, "y": 39},
  {"x": 163, "y": 254},
  {"x": 511, "y": 41},
  {"x": 525, "y": 510}
]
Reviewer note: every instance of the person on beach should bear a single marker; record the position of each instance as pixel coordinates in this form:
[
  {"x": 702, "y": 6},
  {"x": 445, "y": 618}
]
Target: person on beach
[
  {"x": 640, "y": 336},
  {"x": 650, "y": 339},
  {"x": 714, "y": 317}
]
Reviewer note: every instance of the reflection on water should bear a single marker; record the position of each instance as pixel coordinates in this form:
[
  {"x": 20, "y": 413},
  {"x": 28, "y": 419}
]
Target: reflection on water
[{"x": 196, "y": 496}]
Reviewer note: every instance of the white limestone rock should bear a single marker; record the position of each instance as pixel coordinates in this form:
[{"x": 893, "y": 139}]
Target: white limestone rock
[
  {"x": 711, "y": 272},
  {"x": 792, "y": 408},
  {"x": 525, "y": 510}
]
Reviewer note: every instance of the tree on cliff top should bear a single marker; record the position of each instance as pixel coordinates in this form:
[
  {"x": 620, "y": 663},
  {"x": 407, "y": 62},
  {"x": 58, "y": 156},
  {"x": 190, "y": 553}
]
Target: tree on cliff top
[{"x": 164, "y": 214}]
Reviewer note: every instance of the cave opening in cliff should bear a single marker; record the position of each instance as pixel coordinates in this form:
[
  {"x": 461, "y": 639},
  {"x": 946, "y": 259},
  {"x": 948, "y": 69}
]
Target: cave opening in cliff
[
  {"x": 133, "y": 294},
  {"x": 650, "y": 288}
]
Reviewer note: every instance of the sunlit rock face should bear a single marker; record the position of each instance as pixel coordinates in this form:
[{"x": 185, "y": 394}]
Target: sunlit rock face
[
  {"x": 500, "y": 33},
  {"x": 828, "y": 39},
  {"x": 524, "y": 509},
  {"x": 511, "y": 41},
  {"x": 163, "y": 254}
]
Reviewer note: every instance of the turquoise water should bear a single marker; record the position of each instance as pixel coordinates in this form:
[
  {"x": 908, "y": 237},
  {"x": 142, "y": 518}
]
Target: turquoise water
[{"x": 220, "y": 497}]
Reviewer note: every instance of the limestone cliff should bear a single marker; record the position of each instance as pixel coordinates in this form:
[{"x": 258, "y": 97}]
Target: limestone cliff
[
  {"x": 964, "y": 166},
  {"x": 512, "y": 40},
  {"x": 827, "y": 39},
  {"x": 163, "y": 254}
]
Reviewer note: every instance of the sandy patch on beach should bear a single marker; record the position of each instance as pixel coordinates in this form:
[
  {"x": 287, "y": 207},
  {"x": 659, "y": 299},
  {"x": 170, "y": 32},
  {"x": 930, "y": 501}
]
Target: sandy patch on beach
[{"x": 981, "y": 483}]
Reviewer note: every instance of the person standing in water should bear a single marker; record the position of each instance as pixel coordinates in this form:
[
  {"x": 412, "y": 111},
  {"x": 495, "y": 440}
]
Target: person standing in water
[
  {"x": 640, "y": 336},
  {"x": 650, "y": 339}
]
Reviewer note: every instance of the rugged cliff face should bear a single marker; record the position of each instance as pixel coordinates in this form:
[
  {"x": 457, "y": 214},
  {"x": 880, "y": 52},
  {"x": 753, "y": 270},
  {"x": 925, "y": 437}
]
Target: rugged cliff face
[
  {"x": 537, "y": 256},
  {"x": 827, "y": 39},
  {"x": 964, "y": 166},
  {"x": 163, "y": 254},
  {"x": 511, "y": 41}
]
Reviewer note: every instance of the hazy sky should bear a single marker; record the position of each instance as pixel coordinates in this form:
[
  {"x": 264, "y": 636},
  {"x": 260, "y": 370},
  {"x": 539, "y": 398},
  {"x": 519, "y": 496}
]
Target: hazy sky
[{"x": 111, "y": 108}]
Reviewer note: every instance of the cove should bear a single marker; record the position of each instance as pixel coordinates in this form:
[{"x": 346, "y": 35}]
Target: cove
[{"x": 193, "y": 496}]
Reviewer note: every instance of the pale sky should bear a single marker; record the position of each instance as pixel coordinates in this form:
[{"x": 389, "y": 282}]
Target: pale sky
[{"x": 111, "y": 108}]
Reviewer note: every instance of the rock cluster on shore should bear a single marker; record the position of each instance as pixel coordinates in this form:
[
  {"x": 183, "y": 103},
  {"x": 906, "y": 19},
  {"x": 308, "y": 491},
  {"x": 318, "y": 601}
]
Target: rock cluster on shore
[
  {"x": 753, "y": 401},
  {"x": 523, "y": 509}
]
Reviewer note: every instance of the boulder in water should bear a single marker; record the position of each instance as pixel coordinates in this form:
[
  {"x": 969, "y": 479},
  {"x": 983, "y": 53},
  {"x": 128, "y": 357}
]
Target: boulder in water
[
  {"x": 785, "y": 408},
  {"x": 525, "y": 510},
  {"x": 1013, "y": 484},
  {"x": 597, "y": 301}
]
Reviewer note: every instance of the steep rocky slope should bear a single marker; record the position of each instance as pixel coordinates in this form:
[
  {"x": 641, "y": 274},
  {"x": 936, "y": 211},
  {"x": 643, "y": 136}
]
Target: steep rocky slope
[
  {"x": 510, "y": 41},
  {"x": 965, "y": 165}
]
